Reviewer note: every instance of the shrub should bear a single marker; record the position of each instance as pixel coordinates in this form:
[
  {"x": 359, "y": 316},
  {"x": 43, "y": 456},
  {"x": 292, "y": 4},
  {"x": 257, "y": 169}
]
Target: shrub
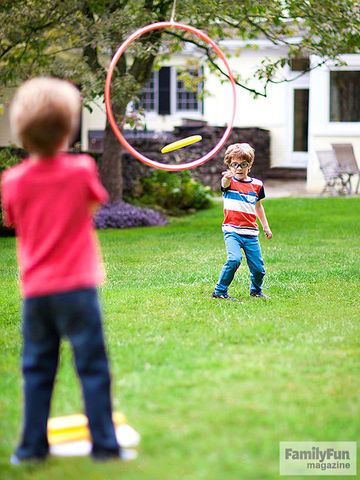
[
  {"x": 174, "y": 192},
  {"x": 7, "y": 159},
  {"x": 113, "y": 215},
  {"x": 123, "y": 215}
]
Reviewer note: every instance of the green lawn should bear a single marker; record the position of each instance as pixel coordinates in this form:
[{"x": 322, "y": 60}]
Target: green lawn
[{"x": 213, "y": 386}]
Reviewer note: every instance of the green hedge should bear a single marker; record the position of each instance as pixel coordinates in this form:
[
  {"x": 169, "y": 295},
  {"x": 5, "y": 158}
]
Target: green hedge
[
  {"x": 174, "y": 193},
  {"x": 9, "y": 156}
]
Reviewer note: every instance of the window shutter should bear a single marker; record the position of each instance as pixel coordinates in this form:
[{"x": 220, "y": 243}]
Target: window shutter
[{"x": 164, "y": 91}]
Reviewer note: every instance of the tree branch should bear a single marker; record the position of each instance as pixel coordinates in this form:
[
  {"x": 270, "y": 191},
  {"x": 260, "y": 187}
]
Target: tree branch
[
  {"x": 288, "y": 80},
  {"x": 215, "y": 65},
  {"x": 27, "y": 38},
  {"x": 89, "y": 52},
  {"x": 275, "y": 40}
]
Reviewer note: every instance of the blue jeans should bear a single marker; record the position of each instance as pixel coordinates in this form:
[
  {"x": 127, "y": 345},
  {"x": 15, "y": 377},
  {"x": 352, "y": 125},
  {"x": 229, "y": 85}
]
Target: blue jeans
[
  {"x": 76, "y": 316},
  {"x": 251, "y": 246}
]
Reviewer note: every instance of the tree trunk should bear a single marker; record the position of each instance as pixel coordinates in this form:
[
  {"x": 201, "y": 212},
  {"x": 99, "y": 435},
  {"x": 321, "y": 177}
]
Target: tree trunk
[
  {"x": 111, "y": 165},
  {"x": 111, "y": 162}
]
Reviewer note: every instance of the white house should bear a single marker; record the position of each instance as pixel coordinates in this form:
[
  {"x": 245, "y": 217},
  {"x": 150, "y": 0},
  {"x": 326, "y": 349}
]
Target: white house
[
  {"x": 276, "y": 113},
  {"x": 334, "y": 113},
  {"x": 303, "y": 115}
]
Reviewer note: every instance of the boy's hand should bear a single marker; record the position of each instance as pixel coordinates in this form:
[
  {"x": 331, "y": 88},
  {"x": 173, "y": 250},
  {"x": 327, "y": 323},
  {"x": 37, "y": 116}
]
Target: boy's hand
[
  {"x": 268, "y": 233},
  {"x": 226, "y": 178},
  {"x": 227, "y": 174}
]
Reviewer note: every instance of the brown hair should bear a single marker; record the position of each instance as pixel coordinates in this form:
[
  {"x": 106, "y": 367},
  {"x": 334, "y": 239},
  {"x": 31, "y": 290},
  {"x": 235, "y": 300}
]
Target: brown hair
[
  {"x": 240, "y": 152},
  {"x": 44, "y": 113}
]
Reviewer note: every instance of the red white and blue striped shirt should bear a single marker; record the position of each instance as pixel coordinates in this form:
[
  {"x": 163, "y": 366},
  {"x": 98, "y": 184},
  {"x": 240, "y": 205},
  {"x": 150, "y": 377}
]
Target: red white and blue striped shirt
[{"x": 240, "y": 198}]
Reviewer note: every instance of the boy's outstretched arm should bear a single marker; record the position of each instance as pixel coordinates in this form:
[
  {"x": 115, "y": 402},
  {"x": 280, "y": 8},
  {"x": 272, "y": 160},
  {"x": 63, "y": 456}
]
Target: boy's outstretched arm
[
  {"x": 260, "y": 213},
  {"x": 226, "y": 178}
]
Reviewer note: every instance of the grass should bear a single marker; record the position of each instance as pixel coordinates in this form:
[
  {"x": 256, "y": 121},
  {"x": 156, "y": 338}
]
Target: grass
[{"x": 212, "y": 386}]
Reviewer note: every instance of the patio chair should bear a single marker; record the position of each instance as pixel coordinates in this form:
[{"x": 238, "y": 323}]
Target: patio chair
[
  {"x": 344, "y": 153},
  {"x": 334, "y": 181}
]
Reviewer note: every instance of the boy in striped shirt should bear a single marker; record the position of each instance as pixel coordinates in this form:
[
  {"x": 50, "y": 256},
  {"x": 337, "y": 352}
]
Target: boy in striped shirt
[{"x": 242, "y": 205}]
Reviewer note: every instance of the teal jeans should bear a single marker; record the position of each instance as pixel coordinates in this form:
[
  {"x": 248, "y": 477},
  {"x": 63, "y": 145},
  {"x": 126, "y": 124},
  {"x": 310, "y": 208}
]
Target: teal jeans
[{"x": 251, "y": 247}]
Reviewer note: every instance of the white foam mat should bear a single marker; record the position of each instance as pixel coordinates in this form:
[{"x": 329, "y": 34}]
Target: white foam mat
[{"x": 127, "y": 437}]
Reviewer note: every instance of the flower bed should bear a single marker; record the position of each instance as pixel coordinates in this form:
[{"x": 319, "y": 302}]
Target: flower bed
[{"x": 123, "y": 215}]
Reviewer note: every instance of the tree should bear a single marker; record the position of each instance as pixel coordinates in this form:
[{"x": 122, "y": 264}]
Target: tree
[{"x": 75, "y": 39}]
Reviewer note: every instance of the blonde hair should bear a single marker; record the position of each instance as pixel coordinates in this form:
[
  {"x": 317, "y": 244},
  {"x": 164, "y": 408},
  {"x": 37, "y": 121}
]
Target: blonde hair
[
  {"x": 239, "y": 152},
  {"x": 44, "y": 113}
]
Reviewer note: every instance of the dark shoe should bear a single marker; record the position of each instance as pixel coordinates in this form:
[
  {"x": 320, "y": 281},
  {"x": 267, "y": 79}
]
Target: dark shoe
[
  {"x": 260, "y": 295},
  {"x": 15, "y": 460},
  {"x": 223, "y": 296},
  {"x": 102, "y": 455},
  {"x": 125, "y": 454}
]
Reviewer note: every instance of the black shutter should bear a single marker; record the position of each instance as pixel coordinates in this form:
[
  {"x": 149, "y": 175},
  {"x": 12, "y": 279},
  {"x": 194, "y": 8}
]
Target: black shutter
[{"x": 164, "y": 90}]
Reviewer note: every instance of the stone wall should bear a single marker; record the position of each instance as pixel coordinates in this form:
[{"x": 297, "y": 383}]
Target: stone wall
[
  {"x": 151, "y": 143},
  {"x": 209, "y": 173}
]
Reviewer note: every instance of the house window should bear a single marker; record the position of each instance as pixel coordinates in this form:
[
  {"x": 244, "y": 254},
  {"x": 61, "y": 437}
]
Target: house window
[
  {"x": 148, "y": 96},
  {"x": 187, "y": 99},
  {"x": 165, "y": 93},
  {"x": 345, "y": 96}
]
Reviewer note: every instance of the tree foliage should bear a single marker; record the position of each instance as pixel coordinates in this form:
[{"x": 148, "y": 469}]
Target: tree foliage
[{"x": 75, "y": 39}]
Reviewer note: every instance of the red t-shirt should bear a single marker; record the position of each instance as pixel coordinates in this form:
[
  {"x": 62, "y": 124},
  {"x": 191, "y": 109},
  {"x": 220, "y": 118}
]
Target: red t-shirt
[
  {"x": 240, "y": 199},
  {"x": 49, "y": 204}
]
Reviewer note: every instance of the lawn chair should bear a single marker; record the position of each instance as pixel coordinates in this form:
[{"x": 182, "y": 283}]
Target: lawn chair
[
  {"x": 334, "y": 182},
  {"x": 344, "y": 153}
]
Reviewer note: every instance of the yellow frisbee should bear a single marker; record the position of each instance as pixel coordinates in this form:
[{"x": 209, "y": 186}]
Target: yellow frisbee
[
  {"x": 181, "y": 143},
  {"x": 72, "y": 428}
]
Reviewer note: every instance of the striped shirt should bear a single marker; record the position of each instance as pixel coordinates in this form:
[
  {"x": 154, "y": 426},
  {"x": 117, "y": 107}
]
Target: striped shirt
[{"x": 240, "y": 198}]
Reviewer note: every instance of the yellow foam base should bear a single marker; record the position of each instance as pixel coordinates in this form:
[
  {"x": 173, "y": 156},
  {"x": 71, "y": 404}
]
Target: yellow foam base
[
  {"x": 74, "y": 427},
  {"x": 181, "y": 143}
]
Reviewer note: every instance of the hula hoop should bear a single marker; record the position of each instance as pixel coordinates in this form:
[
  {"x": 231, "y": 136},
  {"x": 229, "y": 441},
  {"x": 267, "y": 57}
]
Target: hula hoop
[{"x": 109, "y": 111}]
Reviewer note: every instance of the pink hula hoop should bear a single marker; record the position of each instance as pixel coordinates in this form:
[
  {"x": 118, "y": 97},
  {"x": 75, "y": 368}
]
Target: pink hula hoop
[{"x": 112, "y": 121}]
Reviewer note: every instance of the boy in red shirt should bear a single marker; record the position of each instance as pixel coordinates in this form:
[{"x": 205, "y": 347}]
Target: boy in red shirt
[
  {"x": 49, "y": 199},
  {"x": 242, "y": 206}
]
